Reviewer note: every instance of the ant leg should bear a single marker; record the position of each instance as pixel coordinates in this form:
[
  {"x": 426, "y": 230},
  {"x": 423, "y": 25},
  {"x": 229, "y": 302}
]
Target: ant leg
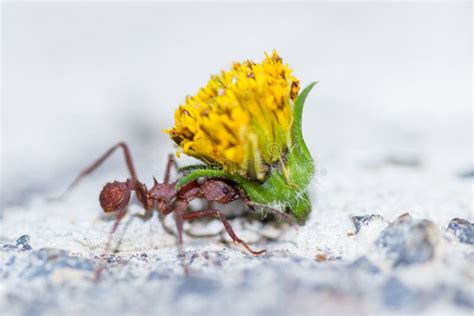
[
  {"x": 225, "y": 222},
  {"x": 167, "y": 229},
  {"x": 120, "y": 215},
  {"x": 100, "y": 160},
  {"x": 122, "y": 234},
  {"x": 181, "y": 205},
  {"x": 170, "y": 163}
]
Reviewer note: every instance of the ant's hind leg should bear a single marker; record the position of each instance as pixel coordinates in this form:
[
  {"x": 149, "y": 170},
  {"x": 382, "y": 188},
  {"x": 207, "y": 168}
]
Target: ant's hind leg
[{"x": 225, "y": 222}]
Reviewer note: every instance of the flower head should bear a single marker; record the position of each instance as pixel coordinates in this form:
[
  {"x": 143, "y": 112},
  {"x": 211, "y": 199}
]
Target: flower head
[{"x": 241, "y": 120}]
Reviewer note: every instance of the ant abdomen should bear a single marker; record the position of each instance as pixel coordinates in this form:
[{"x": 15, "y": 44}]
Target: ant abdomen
[{"x": 114, "y": 196}]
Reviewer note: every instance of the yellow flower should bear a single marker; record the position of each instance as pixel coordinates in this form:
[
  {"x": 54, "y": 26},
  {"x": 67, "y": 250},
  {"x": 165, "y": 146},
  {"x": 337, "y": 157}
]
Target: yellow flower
[{"x": 241, "y": 120}]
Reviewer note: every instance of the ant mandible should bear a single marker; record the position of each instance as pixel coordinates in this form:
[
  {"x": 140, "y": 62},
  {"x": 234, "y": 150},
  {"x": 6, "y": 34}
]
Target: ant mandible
[{"x": 166, "y": 199}]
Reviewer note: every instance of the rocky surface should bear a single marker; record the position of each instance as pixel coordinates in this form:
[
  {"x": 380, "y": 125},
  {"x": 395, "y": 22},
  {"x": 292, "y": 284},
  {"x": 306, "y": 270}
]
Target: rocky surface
[{"x": 371, "y": 246}]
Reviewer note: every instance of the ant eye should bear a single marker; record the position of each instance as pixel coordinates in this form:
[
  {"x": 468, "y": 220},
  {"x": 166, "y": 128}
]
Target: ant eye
[{"x": 225, "y": 190}]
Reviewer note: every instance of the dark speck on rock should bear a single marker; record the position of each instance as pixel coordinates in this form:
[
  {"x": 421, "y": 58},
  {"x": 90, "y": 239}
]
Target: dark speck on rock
[
  {"x": 364, "y": 264},
  {"x": 364, "y": 220},
  {"x": 462, "y": 229},
  {"x": 409, "y": 241},
  {"x": 397, "y": 295}
]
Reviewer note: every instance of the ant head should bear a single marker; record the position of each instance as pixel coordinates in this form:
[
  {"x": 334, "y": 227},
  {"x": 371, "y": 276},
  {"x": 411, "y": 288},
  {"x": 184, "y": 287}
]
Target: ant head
[
  {"x": 219, "y": 191},
  {"x": 114, "y": 196}
]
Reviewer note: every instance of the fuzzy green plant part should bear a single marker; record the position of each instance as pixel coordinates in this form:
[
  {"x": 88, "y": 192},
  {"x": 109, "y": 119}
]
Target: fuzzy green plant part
[{"x": 286, "y": 186}]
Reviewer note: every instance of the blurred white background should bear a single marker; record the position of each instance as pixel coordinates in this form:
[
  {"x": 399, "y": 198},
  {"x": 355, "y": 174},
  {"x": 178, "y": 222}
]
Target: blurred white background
[{"x": 78, "y": 77}]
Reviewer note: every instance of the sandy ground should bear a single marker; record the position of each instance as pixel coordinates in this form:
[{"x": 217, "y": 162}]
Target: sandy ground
[{"x": 358, "y": 253}]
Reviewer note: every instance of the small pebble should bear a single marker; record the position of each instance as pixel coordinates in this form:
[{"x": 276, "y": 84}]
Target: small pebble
[
  {"x": 409, "y": 241},
  {"x": 22, "y": 243},
  {"x": 462, "y": 229}
]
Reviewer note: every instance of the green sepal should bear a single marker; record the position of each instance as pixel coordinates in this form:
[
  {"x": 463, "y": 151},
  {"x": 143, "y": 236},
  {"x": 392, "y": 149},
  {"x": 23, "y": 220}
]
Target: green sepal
[
  {"x": 300, "y": 163},
  {"x": 297, "y": 129}
]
